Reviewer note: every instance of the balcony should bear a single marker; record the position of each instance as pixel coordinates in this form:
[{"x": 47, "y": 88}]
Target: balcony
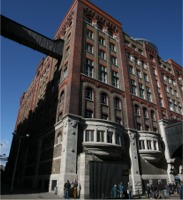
[
  {"x": 150, "y": 146},
  {"x": 104, "y": 138}
]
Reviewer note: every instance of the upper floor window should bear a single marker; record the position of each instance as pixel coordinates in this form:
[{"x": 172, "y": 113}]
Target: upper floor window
[
  {"x": 141, "y": 144},
  {"x": 89, "y": 93},
  {"x": 104, "y": 116},
  {"x": 89, "y": 136},
  {"x": 113, "y": 60},
  {"x": 104, "y": 99},
  {"x": 102, "y": 54},
  {"x": 118, "y": 120},
  {"x": 88, "y": 114},
  {"x": 100, "y": 26},
  {"x": 115, "y": 79},
  {"x": 146, "y": 77},
  {"x": 137, "y": 110},
  {"x": 101, "y": 40},
  {"x": 133, "y": 87},
  {"x": 117, "y": 103},
  {"x": 112, "y": 47},
  {"x": 100, "y": 136},
  {"x": 89, "y": 34},
  {"x": 89, "y": 68},
  {"x": 62, "y": 97},
  {"x": 145, "y": 112},
  {"x": 141, "y": 90},
  {"x": 139, "y": 74},
  {"x": 89, "y": 20},
  {"x": 109, "y": 137},
  {"x": 103, "y": 74},
  {"x": 110, "y": 33},
  {"x": 149, "y": 144},
  {"x": 89, "y": 48},
  {"x": 65, "y": 72},
  {"x": 131, "y": 69},
  {"x": 153, "y": 117}
]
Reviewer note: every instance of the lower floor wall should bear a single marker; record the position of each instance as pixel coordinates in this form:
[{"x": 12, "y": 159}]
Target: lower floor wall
[{"x": 100, "y": 154}]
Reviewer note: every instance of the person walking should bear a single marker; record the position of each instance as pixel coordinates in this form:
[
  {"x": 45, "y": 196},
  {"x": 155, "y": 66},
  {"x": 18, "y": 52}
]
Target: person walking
[
  {"x": 148, "y": 190},
  {"x": 67, "y": 187},
  {"x": 129, "y": 190},
  {"x": 114, "y": 192},
  {"x": 121, "y": 190}
]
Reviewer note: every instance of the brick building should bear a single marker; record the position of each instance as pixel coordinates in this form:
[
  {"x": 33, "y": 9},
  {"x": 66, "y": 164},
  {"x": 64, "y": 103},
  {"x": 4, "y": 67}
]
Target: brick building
[{"x": 99, "y": 113}]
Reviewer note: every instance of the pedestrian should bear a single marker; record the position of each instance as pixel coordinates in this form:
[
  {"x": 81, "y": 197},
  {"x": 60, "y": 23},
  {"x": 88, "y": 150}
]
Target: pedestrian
[
  {"x": 114, "y": 192},
  {"x": 129, "y": 190},
  {"x": 67, "y": 187},
  {"x": 121, "y": 190},
  {"x": 75, "y": 184},
  {"x": 148, "y": 190},
  {"x": 181, "y": 191}
]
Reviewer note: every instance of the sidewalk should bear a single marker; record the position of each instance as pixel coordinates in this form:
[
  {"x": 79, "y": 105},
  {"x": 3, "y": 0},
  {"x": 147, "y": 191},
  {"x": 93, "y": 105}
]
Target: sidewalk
[{"x": 25, "y": 193}]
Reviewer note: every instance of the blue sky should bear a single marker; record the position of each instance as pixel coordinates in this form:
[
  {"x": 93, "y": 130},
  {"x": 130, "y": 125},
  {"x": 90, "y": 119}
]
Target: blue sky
[{"x": 156, "y": 20}]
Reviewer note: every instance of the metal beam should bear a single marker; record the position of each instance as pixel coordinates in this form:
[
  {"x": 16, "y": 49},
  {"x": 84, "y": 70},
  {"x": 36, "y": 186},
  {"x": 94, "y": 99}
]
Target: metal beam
[{"x": 23, "y": 35}]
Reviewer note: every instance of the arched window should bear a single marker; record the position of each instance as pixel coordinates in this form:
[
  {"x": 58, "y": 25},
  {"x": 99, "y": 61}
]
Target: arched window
[
  {"x": 137, "y": 110},
  {"x": 104, "y": 98},
  {"x": 153, "y": 116},
  {"x": 117, "y": 103},
  {"x": 145, "y": 112},
  {"x": 89, "y": 93}
]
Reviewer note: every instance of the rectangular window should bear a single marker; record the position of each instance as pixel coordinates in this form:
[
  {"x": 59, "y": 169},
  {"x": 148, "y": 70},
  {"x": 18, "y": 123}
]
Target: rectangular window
[
  {"x": 89, "y": 68},
  {"x": 102, "y": 54},
  {"x": 103, "y": 74},
  {"x": 101, "y": 40},
  {"x": 139, "y": 127},
  {"x": 131, "y": 69},
  {"x": 113, "y": 60},
  {"x": 109, "y": 137},
  {"x": 154, "y": 144},
  {"x": 112, "y": 47},
  {"x": 104, "y": 116},
  {"x": 133, "y": 87},
  {"x": 89, "y": 48},
  {"x": 118, "y": 139},
  {"x": 149, "y": 144},
  {"x": 118, "y": 120},
  {"x": 115, "y": 79},
  {"x": 65, "y": 71},
  {"x": 89, "y": 136},
  {"x": 141, "y": 90},
  {"x": 88, "y": 114},
  {"x": 146, "y": 77},
  {"x": 100, "y": 136},
  {"x": 141, "y": 144},
  {"x": 139, "y": 74},
  {"x": 89, "y": 34}
]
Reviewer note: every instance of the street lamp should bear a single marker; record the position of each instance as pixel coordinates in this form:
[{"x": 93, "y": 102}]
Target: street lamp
[{"x": 14, "y": 170}]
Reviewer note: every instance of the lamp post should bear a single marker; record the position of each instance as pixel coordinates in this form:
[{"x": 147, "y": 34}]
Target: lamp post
[{"x": 16, "y": 160}]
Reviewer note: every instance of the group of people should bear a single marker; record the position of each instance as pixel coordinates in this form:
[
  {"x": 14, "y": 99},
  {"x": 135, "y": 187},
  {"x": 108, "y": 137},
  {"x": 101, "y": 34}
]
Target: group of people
[
  {"x": 72, "y": 189},
  {"x": 118, "y": 191},
  {"x": 160, "y": 191}
]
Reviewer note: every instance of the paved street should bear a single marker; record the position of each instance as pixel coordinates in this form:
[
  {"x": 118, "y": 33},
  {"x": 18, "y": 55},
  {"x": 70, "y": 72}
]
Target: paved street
[{"x": 22, "y": 193}]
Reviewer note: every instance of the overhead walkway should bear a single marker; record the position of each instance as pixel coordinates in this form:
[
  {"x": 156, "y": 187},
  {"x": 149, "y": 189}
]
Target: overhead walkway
[{"x": 23, "y": 35}]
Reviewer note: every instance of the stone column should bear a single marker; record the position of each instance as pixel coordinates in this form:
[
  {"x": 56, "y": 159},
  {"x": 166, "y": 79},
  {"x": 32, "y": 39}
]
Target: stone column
[
  {"x": 83, "y": 174},
  {"x": 69, "y": 153},
  {"x": 170, "y": 161},
  {"x": 135, "y": 171}
]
